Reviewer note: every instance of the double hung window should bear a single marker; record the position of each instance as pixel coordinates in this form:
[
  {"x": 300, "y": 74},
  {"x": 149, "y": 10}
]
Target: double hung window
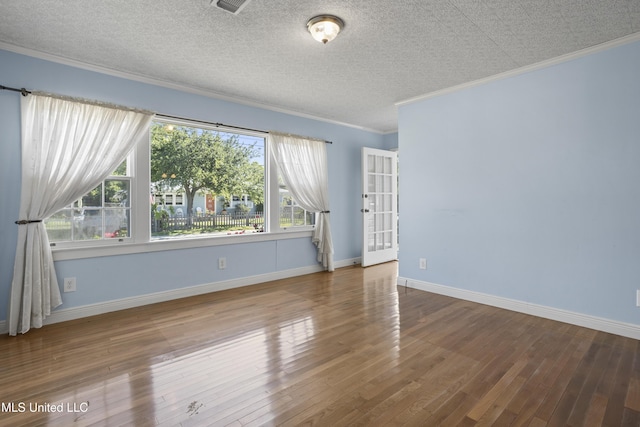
[
  {"x": 291, "y": 214},
  {"x": 102, "y": 214}
]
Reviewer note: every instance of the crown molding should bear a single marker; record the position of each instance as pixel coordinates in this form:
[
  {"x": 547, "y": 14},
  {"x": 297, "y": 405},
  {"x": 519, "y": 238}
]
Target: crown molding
[
  {"x": 171, "y": 85},
  {"x": 528, "y": 68}
]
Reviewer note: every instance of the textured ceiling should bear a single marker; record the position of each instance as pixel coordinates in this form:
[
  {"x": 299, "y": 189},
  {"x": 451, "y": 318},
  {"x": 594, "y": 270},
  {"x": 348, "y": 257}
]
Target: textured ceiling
[{"x": 389, "y": 51}]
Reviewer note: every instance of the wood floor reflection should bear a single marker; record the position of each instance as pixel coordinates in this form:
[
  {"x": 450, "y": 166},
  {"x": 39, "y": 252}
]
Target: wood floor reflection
[{"x": 344, "y": 348}]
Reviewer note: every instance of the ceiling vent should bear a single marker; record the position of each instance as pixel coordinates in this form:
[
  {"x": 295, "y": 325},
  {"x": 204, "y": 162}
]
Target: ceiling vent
[{"x": 233, "y": 6}]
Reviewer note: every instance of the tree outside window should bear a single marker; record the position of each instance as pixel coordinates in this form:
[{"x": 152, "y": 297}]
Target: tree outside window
[{"x": 198, "y": 162}]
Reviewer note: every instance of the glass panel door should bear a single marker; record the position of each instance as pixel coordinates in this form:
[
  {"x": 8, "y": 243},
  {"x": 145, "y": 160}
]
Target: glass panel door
[{"x": 379, "y": 206}]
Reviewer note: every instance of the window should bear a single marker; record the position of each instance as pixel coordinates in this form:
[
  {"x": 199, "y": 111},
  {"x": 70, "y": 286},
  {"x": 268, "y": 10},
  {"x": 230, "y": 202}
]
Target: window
[
  {"x": 101, "y": 214},
  {"x": 210, "y": 181},
  {"x": 167, "y": 199},
  {"x": 292, "y": 215},
  {"x": 204, "y": 181}
]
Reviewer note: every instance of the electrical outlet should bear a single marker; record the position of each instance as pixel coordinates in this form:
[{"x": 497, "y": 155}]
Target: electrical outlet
[
  {"x": 423, "y": 263},
  {"x": 69, "y": 284},
  {"x": 222, "y": 263}
]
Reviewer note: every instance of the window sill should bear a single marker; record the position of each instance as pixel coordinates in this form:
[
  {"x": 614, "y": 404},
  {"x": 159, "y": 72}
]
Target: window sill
[{"x": 64, "y": 254}]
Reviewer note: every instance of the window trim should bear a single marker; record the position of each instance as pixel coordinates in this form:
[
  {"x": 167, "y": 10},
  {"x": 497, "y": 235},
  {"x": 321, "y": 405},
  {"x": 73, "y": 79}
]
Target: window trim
[
  {"x": 105, "y": 242},
  {"x": 72, "y": 253}
]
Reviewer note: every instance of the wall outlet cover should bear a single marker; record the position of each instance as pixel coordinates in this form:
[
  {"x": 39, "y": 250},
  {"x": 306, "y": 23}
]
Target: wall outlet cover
[{"x": 69, "y": 284}]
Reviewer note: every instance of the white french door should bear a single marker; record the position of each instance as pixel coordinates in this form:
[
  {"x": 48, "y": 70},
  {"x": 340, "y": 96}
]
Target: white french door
[{"x": 379, "y": 206}]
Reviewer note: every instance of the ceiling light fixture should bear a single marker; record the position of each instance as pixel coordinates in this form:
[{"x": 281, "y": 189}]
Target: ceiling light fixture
[{"x": 325, "y": 28}]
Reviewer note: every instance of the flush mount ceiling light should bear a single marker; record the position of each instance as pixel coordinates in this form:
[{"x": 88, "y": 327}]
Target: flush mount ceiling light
[{"x": 325, "y": 28}]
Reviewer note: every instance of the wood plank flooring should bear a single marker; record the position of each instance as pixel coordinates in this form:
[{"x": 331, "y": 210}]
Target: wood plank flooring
[{"x": 348, "y": 348}]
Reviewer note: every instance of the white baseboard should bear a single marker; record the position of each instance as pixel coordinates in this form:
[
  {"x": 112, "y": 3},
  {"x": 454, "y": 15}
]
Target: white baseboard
[
  {"x": 599, "y": 324},
  {"x": 73, "y": 313}
]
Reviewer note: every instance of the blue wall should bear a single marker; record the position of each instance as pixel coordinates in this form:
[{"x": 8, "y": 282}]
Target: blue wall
[
  {"x": 390, "y": 141},
  {"x": 528, "y": 187},
  {"x": 115, "y": 277}
]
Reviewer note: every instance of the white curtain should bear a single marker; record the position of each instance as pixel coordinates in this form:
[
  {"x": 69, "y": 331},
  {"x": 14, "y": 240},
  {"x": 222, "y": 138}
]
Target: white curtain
[
  {"x": 68, "y": 147},
  {"x": 302, "y": 163}
]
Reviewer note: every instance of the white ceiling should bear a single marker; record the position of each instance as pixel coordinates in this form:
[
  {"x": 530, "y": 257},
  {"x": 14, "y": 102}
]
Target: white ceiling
[{"x": 389, "y": 50}]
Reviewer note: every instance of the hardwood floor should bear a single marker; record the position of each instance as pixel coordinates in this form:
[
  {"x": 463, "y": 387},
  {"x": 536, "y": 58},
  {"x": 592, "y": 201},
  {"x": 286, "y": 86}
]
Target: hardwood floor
[{"x": 345, "y": 348}]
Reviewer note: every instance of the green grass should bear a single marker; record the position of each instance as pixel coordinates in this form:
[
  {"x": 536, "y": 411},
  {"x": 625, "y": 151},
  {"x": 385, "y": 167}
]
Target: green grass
[{"x": 199, "y": 231}]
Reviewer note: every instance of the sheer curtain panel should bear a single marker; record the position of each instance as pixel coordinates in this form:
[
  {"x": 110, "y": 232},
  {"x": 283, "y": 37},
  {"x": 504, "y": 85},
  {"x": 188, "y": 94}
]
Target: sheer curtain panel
[
  {"x": 302, "y": 163},
  {"x": 68, "y": 147}
]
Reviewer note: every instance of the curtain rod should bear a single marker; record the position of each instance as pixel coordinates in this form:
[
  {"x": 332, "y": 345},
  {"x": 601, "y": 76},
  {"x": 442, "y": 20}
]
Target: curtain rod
[
  {"x": 165, "y": 116},
  {"x": 22, "y": 90},
  {"x": 25, "y": 92}
]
